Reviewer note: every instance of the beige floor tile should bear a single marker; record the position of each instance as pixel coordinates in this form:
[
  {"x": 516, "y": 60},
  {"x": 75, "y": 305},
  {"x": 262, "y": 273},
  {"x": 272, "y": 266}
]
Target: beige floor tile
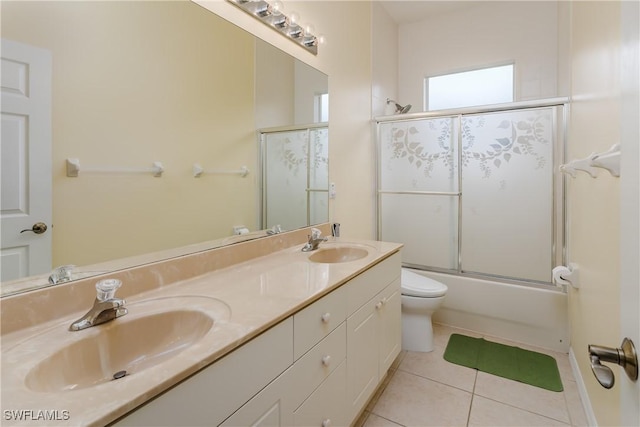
[
  {"x": 375, "y": 421},
  {"x": 486, "y": 412},
  {"x": 534, "y": 399},
  {"x": 441, "y": 334},
  {"x": 433, "y": 366},
  {"x": 574, "y": 404},
  {"x": 411, "y": 400},
  {"x": 564, "y": 366}
]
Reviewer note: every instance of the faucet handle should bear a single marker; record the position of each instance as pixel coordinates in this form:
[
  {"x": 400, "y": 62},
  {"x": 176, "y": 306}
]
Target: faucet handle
[
  {"x": 106, "y": 289},
  {"x": 61, "y": 274},
  {"x": 315, "y": 233}
]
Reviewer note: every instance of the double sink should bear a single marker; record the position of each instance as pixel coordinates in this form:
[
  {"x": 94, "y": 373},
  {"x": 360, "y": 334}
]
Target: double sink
[{"x": 152, "y": 334}]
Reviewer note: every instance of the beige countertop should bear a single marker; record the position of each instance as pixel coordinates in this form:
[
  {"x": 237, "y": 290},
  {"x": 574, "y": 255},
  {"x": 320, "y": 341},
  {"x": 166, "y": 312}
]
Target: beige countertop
[{"x": 244, "y": 298}]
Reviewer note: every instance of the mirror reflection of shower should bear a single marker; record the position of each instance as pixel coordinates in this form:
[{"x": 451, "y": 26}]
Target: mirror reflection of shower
[{"x": 399, "y": 108}]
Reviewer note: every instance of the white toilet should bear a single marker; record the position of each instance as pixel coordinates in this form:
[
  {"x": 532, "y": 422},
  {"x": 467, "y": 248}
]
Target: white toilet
[{"x": 421, "y": 297}]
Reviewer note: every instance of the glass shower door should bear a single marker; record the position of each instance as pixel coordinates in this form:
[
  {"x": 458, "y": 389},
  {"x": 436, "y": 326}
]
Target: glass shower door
[
  {"x": 318, "y": 175},
  {"x": 475, "y": 193},
  {"x": 419, "y": 190},
  {"x": 295, "y": 177},
  {"x": 508, "y": 196}
]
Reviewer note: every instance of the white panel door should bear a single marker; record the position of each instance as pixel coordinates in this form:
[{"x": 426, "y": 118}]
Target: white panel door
[
  {"x": 630, "y": 203},
  {"x": 25, "y": 160}
]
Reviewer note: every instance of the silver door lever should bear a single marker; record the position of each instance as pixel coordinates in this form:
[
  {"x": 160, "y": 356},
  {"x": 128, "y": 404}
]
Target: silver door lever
[{"x": 624, "y": 356}]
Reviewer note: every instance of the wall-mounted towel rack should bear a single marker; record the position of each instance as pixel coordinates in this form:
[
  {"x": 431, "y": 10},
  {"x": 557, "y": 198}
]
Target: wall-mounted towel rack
[
  {"x": 198, "y": 171},
  {"x": 73, "y": 168},
  {"x": 609, "y": 160}
]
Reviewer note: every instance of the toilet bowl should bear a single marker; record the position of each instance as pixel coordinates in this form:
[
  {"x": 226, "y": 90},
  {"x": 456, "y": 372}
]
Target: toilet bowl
[{"x": 421, "y": 297}]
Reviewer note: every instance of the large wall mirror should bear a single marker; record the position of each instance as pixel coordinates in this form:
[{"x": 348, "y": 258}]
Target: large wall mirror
[{"x": 133, "y": 83}]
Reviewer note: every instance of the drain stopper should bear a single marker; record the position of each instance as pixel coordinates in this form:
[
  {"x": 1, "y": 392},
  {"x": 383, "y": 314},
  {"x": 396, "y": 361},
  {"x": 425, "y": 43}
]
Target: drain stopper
[{"x": 119, "y": 375}]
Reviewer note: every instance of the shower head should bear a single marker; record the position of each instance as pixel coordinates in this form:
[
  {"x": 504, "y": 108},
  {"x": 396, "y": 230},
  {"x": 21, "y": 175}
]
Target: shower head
[{"x": 399, "y": 108}]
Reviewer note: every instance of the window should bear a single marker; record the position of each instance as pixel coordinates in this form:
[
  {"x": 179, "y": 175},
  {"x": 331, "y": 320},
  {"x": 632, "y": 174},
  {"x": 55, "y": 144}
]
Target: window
[
  {"x": 321, "y": 108},
  {"x": 470, "y": 88}
]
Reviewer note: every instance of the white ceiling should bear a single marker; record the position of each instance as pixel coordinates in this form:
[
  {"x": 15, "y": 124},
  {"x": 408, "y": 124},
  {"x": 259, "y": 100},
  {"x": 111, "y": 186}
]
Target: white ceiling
[{"x": 406, "y": 11}]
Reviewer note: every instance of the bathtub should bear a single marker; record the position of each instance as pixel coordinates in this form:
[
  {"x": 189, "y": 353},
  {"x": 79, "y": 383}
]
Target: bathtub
[{"x": 523, "y": 314}]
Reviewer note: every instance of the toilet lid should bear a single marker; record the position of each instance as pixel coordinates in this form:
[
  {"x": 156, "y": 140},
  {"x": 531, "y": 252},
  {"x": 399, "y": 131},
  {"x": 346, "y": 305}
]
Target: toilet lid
[{"x": 417, "y": 285}]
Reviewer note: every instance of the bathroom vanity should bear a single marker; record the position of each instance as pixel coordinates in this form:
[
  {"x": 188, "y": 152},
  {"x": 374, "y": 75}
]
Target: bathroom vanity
[{"x": 283, "y": 337}]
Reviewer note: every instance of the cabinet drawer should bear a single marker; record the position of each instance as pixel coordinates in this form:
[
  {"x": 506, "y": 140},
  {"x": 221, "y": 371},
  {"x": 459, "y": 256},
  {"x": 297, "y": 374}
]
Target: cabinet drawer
[
  {"x": 365, "y": 286},
  {"x": 315, "y": 366},
  {"x": 318, "y": 320},
  {"x": 327, "y": 405}
]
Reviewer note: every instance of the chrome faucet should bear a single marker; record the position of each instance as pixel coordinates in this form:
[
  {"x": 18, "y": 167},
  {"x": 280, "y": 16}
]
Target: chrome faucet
[
  {"x": 276, "y": 229},
  {"x": 314, "y": 240},
  {"x": 105, "y": 307},
  {"x": 61, "y": 274}
]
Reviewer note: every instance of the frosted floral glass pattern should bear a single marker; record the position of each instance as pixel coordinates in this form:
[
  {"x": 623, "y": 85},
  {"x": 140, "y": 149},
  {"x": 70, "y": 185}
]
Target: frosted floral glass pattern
[
  {"x": 506, "y": 163},
  {"x": 507, "y": 199},
  {"x": 319, "y": 159},
  {"x": 295, "y": 161},
  {"x": 419, "y": 155}
]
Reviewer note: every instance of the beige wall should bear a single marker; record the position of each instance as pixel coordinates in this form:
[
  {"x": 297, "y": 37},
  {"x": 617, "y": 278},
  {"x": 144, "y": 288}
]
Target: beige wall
[
  {"x": 594, "y": 205},
  {"x": 126, "y": 92},
  {"x": 483, "y": 35},
  {"x": 384, "y": 61}
]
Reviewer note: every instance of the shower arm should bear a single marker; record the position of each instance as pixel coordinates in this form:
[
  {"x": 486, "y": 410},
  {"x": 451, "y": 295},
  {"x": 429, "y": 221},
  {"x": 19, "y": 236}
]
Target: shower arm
[{"x": 399, "y": 108}]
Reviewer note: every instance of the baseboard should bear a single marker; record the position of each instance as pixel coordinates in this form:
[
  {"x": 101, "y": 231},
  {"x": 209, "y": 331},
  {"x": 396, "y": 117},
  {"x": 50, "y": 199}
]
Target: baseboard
[{"x": 582, "y": 389}]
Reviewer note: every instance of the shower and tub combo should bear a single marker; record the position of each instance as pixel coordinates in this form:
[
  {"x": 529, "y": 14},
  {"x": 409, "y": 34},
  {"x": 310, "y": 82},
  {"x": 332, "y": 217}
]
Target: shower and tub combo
[{"x": 476, "y": 197}]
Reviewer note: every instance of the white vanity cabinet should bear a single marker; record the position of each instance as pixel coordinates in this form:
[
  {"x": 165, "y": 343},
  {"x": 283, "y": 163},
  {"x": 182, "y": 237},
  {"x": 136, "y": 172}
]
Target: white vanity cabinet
[
  {"x": 309, "y": 392},
  {"x": 373, "y": 330},
  {"x": 317, "y": 367},
  {"x": 209, "y": 396}
]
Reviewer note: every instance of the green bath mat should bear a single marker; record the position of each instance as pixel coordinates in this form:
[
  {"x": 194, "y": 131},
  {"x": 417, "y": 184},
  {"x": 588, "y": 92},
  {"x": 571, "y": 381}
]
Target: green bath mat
[{"x": 505, "y": 361}]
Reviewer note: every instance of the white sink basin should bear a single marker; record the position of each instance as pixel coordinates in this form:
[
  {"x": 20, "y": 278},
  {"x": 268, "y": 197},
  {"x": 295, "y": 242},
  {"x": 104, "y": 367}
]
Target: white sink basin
[
  {"x": 338, "y": 254},
  {"x": 154, "y": 331}
]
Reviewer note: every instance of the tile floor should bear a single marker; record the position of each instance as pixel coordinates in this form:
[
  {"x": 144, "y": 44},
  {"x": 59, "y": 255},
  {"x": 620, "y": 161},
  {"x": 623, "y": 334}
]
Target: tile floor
[{"x": 423, "y": 389}]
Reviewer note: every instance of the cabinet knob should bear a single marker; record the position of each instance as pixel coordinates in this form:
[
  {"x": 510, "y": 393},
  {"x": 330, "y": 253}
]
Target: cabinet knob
[
  {"x": 326, "y": 422},
  {"x": 326, "y": 360},
  {"x": 326, "y": 317},
  {"x": 378, "y": 305}
]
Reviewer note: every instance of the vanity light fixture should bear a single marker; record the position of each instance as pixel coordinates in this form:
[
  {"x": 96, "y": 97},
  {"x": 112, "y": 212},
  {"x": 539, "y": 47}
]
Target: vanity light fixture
[{"x": 272, "y": 14}]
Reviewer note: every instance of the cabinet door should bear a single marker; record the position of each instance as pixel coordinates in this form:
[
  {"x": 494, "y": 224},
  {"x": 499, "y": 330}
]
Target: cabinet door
[
  {"x": 390, "y": 326},
  {"x": 362, "y": 357},
  {"x": 271, "y": 407},
  {"x": 326, "y": 406}
]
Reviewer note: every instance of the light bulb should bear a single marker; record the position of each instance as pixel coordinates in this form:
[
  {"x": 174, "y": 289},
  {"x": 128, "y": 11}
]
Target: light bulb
[
  {"x": 308, "y": 29},
  {"x": 277, "y": 8},
  {"x": 294, "y": 18}
]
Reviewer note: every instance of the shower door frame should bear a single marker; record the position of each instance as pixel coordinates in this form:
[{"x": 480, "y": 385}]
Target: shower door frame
[
  {"x": 559, "y": 206},
  {"x": 262, "y": 138}
]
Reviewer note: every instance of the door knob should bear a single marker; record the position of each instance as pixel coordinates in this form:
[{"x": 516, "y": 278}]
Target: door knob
[
  {"x": 624, "y": 356},
  {"x": 38, "y": 228}
]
